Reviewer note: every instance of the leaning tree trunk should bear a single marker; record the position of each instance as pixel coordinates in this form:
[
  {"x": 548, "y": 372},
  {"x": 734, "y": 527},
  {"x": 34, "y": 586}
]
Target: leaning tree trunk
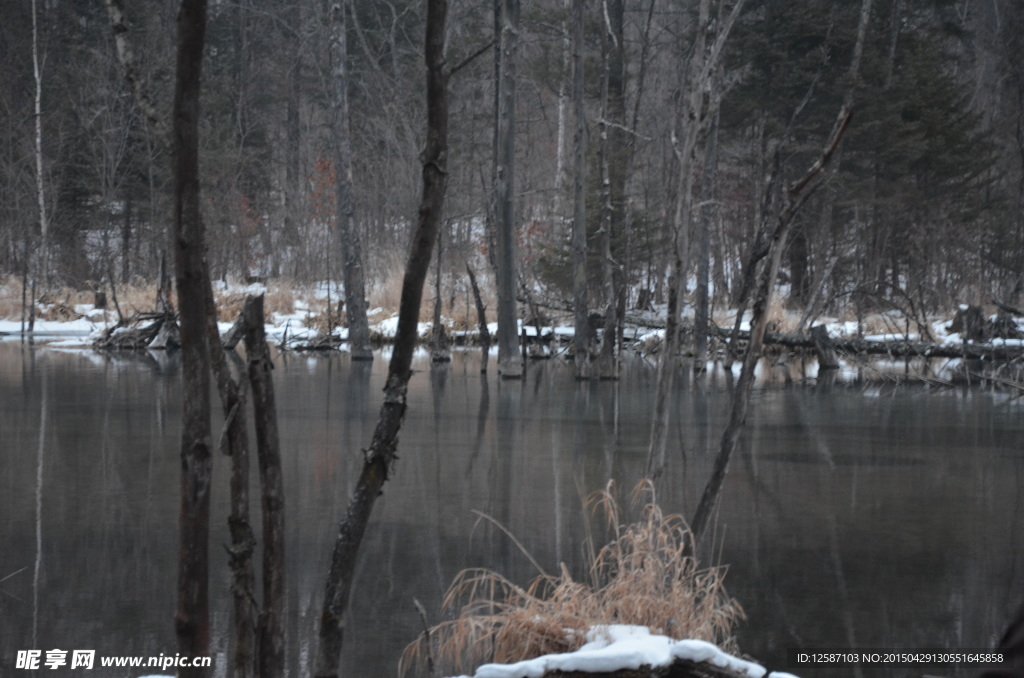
[
  {"x": 797, "y": 195},
  {"x": 380, "y": 456},
  {"x": 352, "y": 250},
  {"x": 192, "y": 621},
  {"x": 234, "y": 443}
]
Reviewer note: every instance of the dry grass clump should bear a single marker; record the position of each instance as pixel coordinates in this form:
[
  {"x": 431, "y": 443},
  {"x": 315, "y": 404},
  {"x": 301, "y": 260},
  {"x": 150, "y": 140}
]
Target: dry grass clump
[
  {"x": 646, "y": 575},
  {"x": 138, "y": 298},
  {"x": 386, "y": 291},
  {"x": 10, "y": 300},
  {"x": 229, "y": 306},
  {"x": 280, "y": 298},
  {"x": 59, "y": 303}
]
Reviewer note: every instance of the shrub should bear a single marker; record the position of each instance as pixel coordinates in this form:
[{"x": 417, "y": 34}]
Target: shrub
[{"x": 646, "y": 575}]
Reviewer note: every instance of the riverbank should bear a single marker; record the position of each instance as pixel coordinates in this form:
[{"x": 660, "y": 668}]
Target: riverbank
[{"x": 310, "y": 318}]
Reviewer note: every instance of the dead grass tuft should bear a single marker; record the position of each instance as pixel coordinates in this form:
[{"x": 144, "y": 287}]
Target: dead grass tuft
[
  {"x": 386, "y": 292},
  {"x": 279, "y": 299},
  {"x": 646, "y": 575}
]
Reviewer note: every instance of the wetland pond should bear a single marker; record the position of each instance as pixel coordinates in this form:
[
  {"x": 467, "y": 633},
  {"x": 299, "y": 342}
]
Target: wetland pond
[{"x": 861, "y": 515}]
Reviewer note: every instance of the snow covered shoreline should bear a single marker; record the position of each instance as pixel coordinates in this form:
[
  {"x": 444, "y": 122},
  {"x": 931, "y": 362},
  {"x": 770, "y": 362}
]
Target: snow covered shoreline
[{"x": 303, "y": 327}]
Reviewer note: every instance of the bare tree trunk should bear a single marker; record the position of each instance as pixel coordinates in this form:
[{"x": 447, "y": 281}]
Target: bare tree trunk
[
  {"x": 439, "y": 352},
  {"x": 797, "y": 195},
  {"x": 270, "y": 631},
  {"x": 614, "y": 160},
  {"x": 560, "y": 144},
  {"x": 481, "y": 313},
  {"x": 693, "y": 117},
  {"x": 293, "y": 203},
  {"x": 684, "y": 149},
  {"x": 581, "y": 331},
  {"x": 126, "y": 237},
  {"x": 380, "y": 456},
  {"x": 192, "y": 620},
  {"x": 348, "y": 232},
  {"x": 42, "y": 271},
  {"x": 234, "y": 443},
  {"x": 758, "y": 251},
  {"x": 243, "y": 543},
  {"x": 125, "y": 54},
  {"x": 510, "y": 363},
  {"x": 707, "y": 211},
  {"x": 812, "y": 303}
]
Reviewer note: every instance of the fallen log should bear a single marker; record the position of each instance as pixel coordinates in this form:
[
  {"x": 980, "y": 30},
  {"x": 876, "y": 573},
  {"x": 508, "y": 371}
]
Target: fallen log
[
  {"x": 680, "y": 668},
  {"x": 892, "y": 348},
  {"x": 134, "y": 334}
]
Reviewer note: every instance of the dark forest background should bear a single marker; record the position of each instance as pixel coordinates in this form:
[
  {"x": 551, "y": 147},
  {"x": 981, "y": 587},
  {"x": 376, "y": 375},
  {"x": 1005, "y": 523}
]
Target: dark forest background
[{"x": 924, "y": 208}]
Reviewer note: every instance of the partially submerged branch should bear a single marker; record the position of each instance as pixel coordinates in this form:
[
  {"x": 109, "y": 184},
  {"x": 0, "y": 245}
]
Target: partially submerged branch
[{"x": 798, "y": 193}]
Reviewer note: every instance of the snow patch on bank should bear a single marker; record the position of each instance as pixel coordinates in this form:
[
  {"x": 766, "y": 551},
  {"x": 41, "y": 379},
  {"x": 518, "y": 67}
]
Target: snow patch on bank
[{"x": 617, "y": 647}]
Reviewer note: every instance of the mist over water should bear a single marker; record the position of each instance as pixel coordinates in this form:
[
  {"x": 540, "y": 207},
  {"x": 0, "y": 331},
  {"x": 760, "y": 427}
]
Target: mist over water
[{"x": 854, "y": 516}]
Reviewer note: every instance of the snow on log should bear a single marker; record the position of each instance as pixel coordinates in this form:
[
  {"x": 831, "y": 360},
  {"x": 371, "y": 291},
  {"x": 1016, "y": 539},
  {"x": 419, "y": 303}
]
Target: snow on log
[
  {"x": 140, "y": 332},
  {"x": 624, "y": 651}
]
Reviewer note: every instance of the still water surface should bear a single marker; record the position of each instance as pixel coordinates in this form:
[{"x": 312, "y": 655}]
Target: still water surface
[{"x": 854, "y": 516}]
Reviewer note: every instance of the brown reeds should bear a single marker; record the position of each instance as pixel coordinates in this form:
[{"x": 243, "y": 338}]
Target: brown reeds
[{"x": 646, "y": 575}]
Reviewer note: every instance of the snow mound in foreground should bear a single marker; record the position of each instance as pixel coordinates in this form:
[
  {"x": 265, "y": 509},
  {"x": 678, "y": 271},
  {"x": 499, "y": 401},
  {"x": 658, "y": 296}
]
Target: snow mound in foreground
[{"x": 616, "y": 647}]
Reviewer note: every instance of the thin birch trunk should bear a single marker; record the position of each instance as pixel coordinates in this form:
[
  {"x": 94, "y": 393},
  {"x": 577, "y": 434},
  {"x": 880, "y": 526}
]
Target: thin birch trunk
[
  {"x": 581, "y": 332},
  {"x": 42, "y": 254}
]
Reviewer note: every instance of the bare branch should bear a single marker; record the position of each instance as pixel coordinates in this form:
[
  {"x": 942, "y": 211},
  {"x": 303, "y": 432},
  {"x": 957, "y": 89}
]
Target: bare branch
[
  {"x": 622, "y": 127},
  {"x": 471, "y": 58}
]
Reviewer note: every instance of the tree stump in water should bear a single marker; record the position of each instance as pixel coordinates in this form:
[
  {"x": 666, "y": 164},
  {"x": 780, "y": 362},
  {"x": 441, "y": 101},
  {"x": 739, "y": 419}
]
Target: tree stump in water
[
  {"x": 827, "y": 359},
  {"x": 969, "y": 323}
]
